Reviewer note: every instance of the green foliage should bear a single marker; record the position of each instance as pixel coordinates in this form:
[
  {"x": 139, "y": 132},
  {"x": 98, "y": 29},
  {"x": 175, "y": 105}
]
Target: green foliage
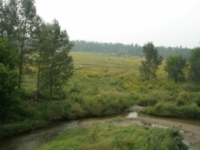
[
  {"x": 8, "y": 54},
  {"x": 171, "y": 110},
  {"x": 98, "y": 89},
  {"x": 56, "y": 66},
  {"x": 191, "y": 87},
  {"x": 177, "y": 139},
  {"x": 8, "y": 81},
  {"x": 194, "y": 66},
  {"x": 106, "y": 137},
  {"x": 148, "y": 101},
  {"x": 119, "y": 49},
  {"x": 149, "y": 67},
  {"x": 9, "y": 96},
  {"x": 175, "y": 66},
  {"x": 18, "y": 21},
  {"x": 8, "y": 130},
  {"x": 10, "y": 19}
]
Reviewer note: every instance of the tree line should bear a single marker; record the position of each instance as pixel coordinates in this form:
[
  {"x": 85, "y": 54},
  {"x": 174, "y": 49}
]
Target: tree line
[
  {"x": 129, "y": 49},
  {"x": 176, "y": 66},
  {"x": 26, "y": 41},
  {"x": 30, "y": 45}
]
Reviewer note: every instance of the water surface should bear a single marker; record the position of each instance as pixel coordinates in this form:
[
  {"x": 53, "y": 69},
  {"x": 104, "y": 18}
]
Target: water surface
[{"x": 34, "y": 139}]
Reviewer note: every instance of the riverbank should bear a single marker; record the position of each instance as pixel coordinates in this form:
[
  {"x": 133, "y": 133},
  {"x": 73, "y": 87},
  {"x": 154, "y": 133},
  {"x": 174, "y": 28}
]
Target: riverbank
[
  {"x": 104, "y": 85},
  {"x": 190, "y": 128},
  {"x": 190, "y": 133},
  {"x": 121, "y": 123},
  {"x": 43, "y": 114},
  {"x": 109, "y": 136}
]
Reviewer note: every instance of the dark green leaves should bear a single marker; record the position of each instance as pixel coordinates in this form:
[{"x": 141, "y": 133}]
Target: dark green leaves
[
  {"x": 175, "y": 66},
  {"x": 56, "y": 66},
  {"x": 149, "y": 67},
  {"x": 194, "y": 66},
  {"x": 8, "y": 55},
  {"x": 8, "y": 79}
]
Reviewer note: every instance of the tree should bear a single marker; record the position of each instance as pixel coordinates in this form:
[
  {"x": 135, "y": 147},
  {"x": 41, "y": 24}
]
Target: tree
[
  {"x": 27, "y": 21},
  {"x": 8, "y": 80},
  {"x": 56, "y": 66},
  {"x": 194, "y": 66},
  {"x": 17, "y": 22},
  {"x": 1, "y": 17},
  {"x": 10, "y": 19},
  {"x": 175, "y": 66},
  {"x": 35, "y": 55},
  {"x": 149, "y": 67}
]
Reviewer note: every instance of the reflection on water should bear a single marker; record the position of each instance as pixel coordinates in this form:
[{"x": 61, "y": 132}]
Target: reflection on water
[
  {"x": 37, "y": 138},
  {"x": 132, "y": 115}
]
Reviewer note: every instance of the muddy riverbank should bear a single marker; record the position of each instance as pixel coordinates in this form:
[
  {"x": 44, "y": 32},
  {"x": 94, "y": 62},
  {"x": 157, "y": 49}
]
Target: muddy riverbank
[{"x": 190, "y": 129}]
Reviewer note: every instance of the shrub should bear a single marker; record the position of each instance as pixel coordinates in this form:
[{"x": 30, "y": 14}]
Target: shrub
[
  {"x": 148, "y": 100},
  {"x": 180, "y": 102}
]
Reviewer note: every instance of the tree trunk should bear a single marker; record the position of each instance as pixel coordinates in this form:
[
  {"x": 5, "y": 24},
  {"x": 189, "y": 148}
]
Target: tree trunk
[
  {"x": 21, "y": 57},
  {"x": 38, "y": 76},
  {"x": 51, "y": 76}
]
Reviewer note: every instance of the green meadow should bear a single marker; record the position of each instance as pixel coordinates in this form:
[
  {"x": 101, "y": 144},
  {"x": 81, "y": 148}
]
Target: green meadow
[
  {"x": 108, "y": 136},
  {"x": 108, "y": 84},
  {"x": 106, "y": 79},
  {"x": 105, "y": 85}
]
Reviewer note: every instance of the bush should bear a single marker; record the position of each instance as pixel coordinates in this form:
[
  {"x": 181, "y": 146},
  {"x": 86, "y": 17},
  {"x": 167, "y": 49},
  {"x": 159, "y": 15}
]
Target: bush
[
  {"x": 171, "y": 110},
  {"x": 180, "y": 102},
  {"x": 191, "y": 111},
  {"x": 163, "y": 109},
  {"x": 191, "y": 88},
  {"x": 148, "y": 99}
]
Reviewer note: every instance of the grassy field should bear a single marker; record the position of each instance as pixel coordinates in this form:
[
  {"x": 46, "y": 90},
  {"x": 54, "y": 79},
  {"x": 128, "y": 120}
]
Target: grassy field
[
  {"x": 105, "y": 78},
  {"x": 106, "y": 85},
  {"x": 108, "y": 136}
]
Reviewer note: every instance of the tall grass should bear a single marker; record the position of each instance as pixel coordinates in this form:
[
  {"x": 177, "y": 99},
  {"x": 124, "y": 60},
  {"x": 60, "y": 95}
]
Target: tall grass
[
  {"x": 107, "y": 137},
  {"x": 106, "y": 85}
]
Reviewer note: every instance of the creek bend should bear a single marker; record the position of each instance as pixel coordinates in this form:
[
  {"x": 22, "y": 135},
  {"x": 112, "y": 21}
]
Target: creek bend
[{"x": 190, "y": 130}]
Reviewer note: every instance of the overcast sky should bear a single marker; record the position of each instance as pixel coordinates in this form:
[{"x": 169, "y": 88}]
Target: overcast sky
[{"x": 163, "y": 22}]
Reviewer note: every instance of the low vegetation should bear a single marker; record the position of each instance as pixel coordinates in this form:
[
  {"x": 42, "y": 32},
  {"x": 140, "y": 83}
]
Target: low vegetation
[
  {"x": 37, "y": 86},
  {"x": 114, "y": 137},
  {"x": 105, "y": 85}
]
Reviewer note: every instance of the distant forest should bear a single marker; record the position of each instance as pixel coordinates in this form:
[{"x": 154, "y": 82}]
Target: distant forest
[{"x": 127, "y": 50}]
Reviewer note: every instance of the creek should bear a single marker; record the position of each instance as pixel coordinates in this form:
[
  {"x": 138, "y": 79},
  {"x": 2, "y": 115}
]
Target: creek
[{"x": 28, "y": 141}]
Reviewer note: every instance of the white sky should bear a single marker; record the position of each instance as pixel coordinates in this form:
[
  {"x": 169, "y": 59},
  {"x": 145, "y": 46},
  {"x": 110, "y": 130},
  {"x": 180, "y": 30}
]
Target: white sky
[{"x": 163, "y": 22}]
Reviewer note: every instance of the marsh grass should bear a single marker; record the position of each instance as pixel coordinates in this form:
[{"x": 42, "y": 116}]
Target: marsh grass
[
  {"x": 106, "y": 85},
  {"x": 112, "y": 137},
  {"x": 106, "y": 78}
]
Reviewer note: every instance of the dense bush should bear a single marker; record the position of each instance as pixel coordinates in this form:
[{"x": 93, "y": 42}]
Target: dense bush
[{"x": 10, "y": 97}]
